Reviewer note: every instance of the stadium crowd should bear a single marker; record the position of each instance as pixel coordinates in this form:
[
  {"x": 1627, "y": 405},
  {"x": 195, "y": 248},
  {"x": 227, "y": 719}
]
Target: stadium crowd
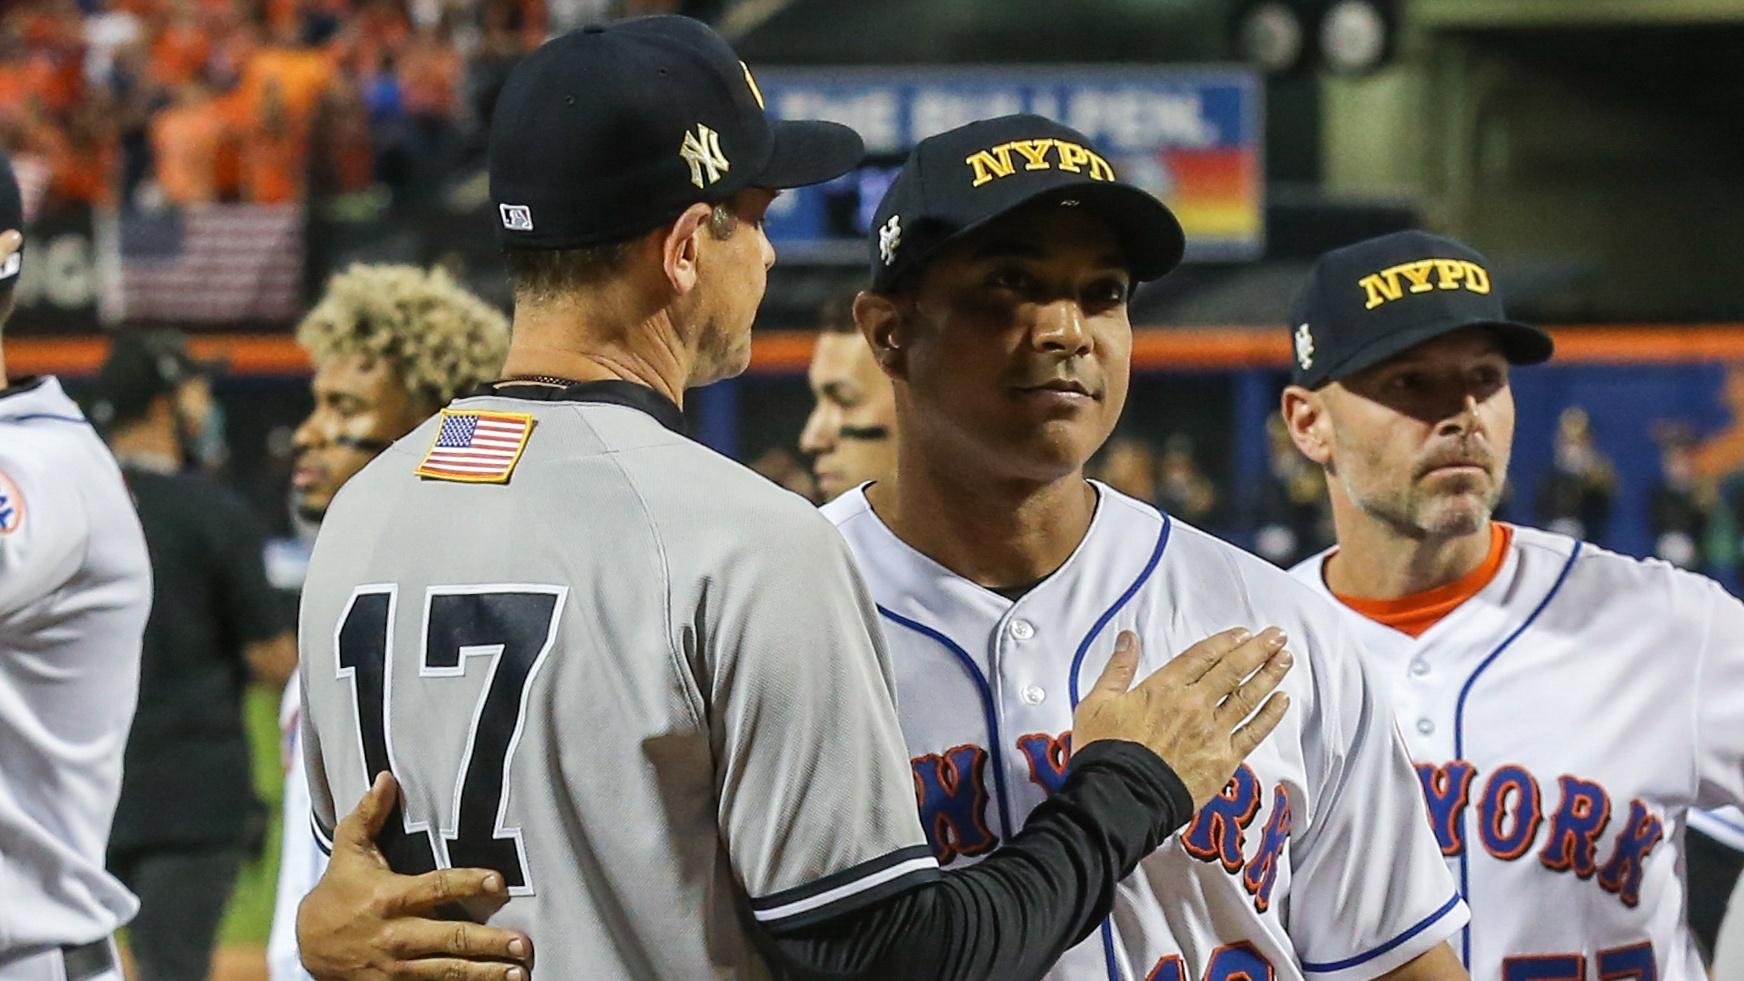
[{"x": 180, "y": 102}]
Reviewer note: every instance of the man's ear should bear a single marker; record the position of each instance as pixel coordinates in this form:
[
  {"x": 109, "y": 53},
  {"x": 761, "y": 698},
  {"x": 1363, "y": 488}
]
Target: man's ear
[
  {"x": 679, "y": 247},
  {"x": 883, "y": 321},
  {"x": 1306, "y": 418}
]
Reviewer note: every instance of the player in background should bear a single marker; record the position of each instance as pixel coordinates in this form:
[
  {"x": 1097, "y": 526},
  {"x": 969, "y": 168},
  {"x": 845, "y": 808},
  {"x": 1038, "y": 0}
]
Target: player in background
[
  {"x": 1005, "y": 255},
  {"x": 390, "y": 345},
  {"x": 75, "y": 592},
  {"x": 688, "y": 764},
  {"x": 1566, "y": 706},
  {"x": 848, "y": 438}
]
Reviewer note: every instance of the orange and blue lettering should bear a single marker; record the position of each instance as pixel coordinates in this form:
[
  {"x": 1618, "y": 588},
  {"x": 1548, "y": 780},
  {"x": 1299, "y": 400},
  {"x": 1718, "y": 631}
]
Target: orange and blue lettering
[
  {"x": 951, "y": 792},
  {"x": 1170, "y": 968},
  {"x": 1220, "y": 828},
  {"x": 1545, "y": 967},
  {"x": 1262, "y": 872},
  {"x": 1447, "y": 790},
  {"x": 1047, "y": 756},
  {"x": 1622, "y": 874},
  {"x": 1510, "y": 793},
  {"x": 1632, "y": 963},
  {"x": 1575, "y": 829},
  {"x": 1238, "y": 962}
]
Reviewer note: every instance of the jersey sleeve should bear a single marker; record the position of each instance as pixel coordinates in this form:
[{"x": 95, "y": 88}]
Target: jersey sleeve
[
  {"x": 1719, "y": 693},
  {"x": 1370, "y": 890},
  {"x": 43, "y": 531},
  {"x": 816, "y": 801},
  {"x": 323, "y": 816}
]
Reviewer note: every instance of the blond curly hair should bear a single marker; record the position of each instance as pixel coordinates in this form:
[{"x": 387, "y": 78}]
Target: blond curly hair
[{"x": 441, "y": 339}]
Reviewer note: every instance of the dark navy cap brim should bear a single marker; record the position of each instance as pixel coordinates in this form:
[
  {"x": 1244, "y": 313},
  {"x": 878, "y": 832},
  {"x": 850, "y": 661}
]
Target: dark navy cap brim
[
  {"x": 1521, "y": 344},
  {"x": 809, "y": 152},
  {"x": 1150, "y": 235}
]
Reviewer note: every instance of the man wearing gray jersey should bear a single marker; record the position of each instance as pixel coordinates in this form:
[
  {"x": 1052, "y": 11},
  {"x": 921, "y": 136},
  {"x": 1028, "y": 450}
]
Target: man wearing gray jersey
[{"x": 641, "y": 686}]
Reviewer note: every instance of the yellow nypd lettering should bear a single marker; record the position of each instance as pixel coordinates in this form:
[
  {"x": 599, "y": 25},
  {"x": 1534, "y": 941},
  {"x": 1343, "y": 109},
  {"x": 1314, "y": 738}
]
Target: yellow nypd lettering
[
  {"x": 1001, "y": 161},
  {"x": 1422, "y": 276}
]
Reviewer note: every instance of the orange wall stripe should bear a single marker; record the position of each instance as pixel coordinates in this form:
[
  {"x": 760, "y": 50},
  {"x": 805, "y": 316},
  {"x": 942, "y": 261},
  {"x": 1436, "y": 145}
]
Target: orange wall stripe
[{"x": 1154, "y": 349}]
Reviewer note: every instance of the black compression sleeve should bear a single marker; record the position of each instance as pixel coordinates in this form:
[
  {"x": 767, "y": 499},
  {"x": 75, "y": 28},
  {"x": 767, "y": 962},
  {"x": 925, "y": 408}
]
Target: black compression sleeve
[
  {"x": 1713, "y": 873},
  {"x": 1016, "y": 912}
]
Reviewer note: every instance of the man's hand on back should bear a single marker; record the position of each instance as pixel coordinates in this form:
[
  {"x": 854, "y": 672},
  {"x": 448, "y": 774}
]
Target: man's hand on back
[
  {"x": 1190, "y": 711},
  {"x": 363, "y": 922}
]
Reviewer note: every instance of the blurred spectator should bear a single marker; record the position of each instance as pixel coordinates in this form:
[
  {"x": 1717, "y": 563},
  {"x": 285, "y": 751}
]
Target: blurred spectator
[
  {"x": 1292, "y": 517},
  {"x": 1183, "y": 489},
  {"x": 187, "y": 815},
  {"x": 1574, "y": 497},
  {"x": 847, "y": 438},
  {"x": 1129, "y": 465},
  {"x": 783, "y": 468},
  {"x": 274, "y": 151},
  {"x": 186, "y": 142},
  {"x": 1679, "y": 504}
]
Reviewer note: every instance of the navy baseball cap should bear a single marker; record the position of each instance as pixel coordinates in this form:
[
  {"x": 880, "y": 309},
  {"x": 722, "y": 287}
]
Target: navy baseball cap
[
  {"x": 11, "y": 219},
  {"x": 962, "y": 179},
  {"x": 143, "y": 364},
  {"x": 613, "y": 130},
  {"x": 1367, "y": 302}
]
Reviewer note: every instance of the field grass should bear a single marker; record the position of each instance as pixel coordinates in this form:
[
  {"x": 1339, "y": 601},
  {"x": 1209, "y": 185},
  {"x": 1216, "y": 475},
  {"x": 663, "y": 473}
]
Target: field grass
[{"x": 249, "y": 918}]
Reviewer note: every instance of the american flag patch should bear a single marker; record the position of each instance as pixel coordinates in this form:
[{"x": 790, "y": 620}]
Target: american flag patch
[{"x": 477, "y": 447}]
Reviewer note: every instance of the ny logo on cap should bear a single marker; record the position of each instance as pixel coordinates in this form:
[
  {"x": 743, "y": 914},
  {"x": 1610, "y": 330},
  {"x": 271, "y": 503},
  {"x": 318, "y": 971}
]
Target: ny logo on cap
[
  {"x": 702, "y": 150},
  {"x": 889, "y": 237},
  {"x": 1304, "y": 347},
  {"x": 516, "y": 217}
]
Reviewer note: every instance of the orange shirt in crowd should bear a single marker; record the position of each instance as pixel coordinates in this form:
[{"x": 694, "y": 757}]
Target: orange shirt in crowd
[
  {"x": 430, "y": 79},
  {"x": 302, "y": 74},
  {"x": 186, "y": 141},
  {"x": 1415, "y": 614},
  {"x": 179, "y": 53},
  {"x": 272, "y": 165}
]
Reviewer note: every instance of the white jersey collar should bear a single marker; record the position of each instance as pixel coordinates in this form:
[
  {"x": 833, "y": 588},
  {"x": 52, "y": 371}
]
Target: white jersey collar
[{"x": 39, "y": 396}]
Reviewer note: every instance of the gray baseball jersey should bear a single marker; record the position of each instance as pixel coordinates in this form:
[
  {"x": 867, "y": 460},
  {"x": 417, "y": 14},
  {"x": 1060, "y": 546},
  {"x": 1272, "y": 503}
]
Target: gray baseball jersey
[{"x": 641, "y": 681}]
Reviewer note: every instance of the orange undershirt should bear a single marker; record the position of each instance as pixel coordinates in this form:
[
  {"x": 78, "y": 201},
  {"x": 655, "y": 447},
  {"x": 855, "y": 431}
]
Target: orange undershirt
[{"x": 1415, "y": 614}]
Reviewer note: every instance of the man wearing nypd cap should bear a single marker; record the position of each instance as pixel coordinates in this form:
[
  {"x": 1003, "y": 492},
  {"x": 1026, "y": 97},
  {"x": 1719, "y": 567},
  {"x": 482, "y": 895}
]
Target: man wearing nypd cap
[
  {"x": 1569, "y": 709},
  {"x": 75, "y": 590},
  {"x": 1006, "y": 252},
  {"x": 634, "y": 697}
]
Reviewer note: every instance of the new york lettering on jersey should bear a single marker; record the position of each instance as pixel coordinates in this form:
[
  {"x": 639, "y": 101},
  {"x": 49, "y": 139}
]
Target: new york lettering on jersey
[
  {"x": 986, "y": 688},
  {"x": 1564, "y": 721}
]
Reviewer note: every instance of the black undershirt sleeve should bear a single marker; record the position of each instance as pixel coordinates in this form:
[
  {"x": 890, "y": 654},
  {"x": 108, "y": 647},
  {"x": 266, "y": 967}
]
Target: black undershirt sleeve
[
  {"x": 1713, "y": 873},
  {"x": 1012, "y": 915}
]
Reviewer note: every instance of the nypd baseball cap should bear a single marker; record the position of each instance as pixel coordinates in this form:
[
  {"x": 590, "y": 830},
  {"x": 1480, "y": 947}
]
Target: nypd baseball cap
[
  {"x": 963, "y": 179},
  {"x": 11, "y": 220},
  {"x": 1367, "y": 302},
  {"x": 613, "y": 130}
]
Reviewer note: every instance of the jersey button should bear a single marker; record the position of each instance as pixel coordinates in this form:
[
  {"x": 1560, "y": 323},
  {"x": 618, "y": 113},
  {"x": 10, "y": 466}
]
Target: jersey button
[
  {"x": 1032, "y": 694},
  {"x": 1022, "y": 630},
  {"x": 1425, "y": 726},
  {"x": 1420, "y": 668}
]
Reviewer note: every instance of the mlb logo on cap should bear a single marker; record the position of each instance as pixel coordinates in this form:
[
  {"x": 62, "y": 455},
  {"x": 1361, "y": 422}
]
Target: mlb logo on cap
[{"x": 516, "y": 217}]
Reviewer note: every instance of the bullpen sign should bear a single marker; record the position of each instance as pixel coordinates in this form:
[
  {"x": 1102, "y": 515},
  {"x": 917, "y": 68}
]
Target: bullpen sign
[{"x": 1193, "y": 137}]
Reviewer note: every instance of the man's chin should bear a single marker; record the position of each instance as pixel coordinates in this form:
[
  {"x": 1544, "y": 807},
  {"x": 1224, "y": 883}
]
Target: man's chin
[
  {"x": 1465, "y": 515},
  {"x": 310, "y": 511}
]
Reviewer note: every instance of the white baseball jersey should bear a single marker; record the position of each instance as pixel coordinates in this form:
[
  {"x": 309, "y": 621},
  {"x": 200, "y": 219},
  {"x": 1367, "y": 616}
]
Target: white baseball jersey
[
  {"x": 75, "y": 590},
  {"x": 1313, "y": 863},
  {"x": 1564, "y": 720},
  {"x": 1725, "y": 826},
  {"x": 301, "y": 860}
]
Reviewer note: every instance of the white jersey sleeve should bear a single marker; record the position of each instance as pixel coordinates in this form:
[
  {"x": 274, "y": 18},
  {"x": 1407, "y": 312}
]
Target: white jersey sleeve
[
  {"x": 300, "y": 860},
  {"x": 1371, "y": 891},
  {"x": 37, "y": 556},
  {"x": 1719, "y": 692}
]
